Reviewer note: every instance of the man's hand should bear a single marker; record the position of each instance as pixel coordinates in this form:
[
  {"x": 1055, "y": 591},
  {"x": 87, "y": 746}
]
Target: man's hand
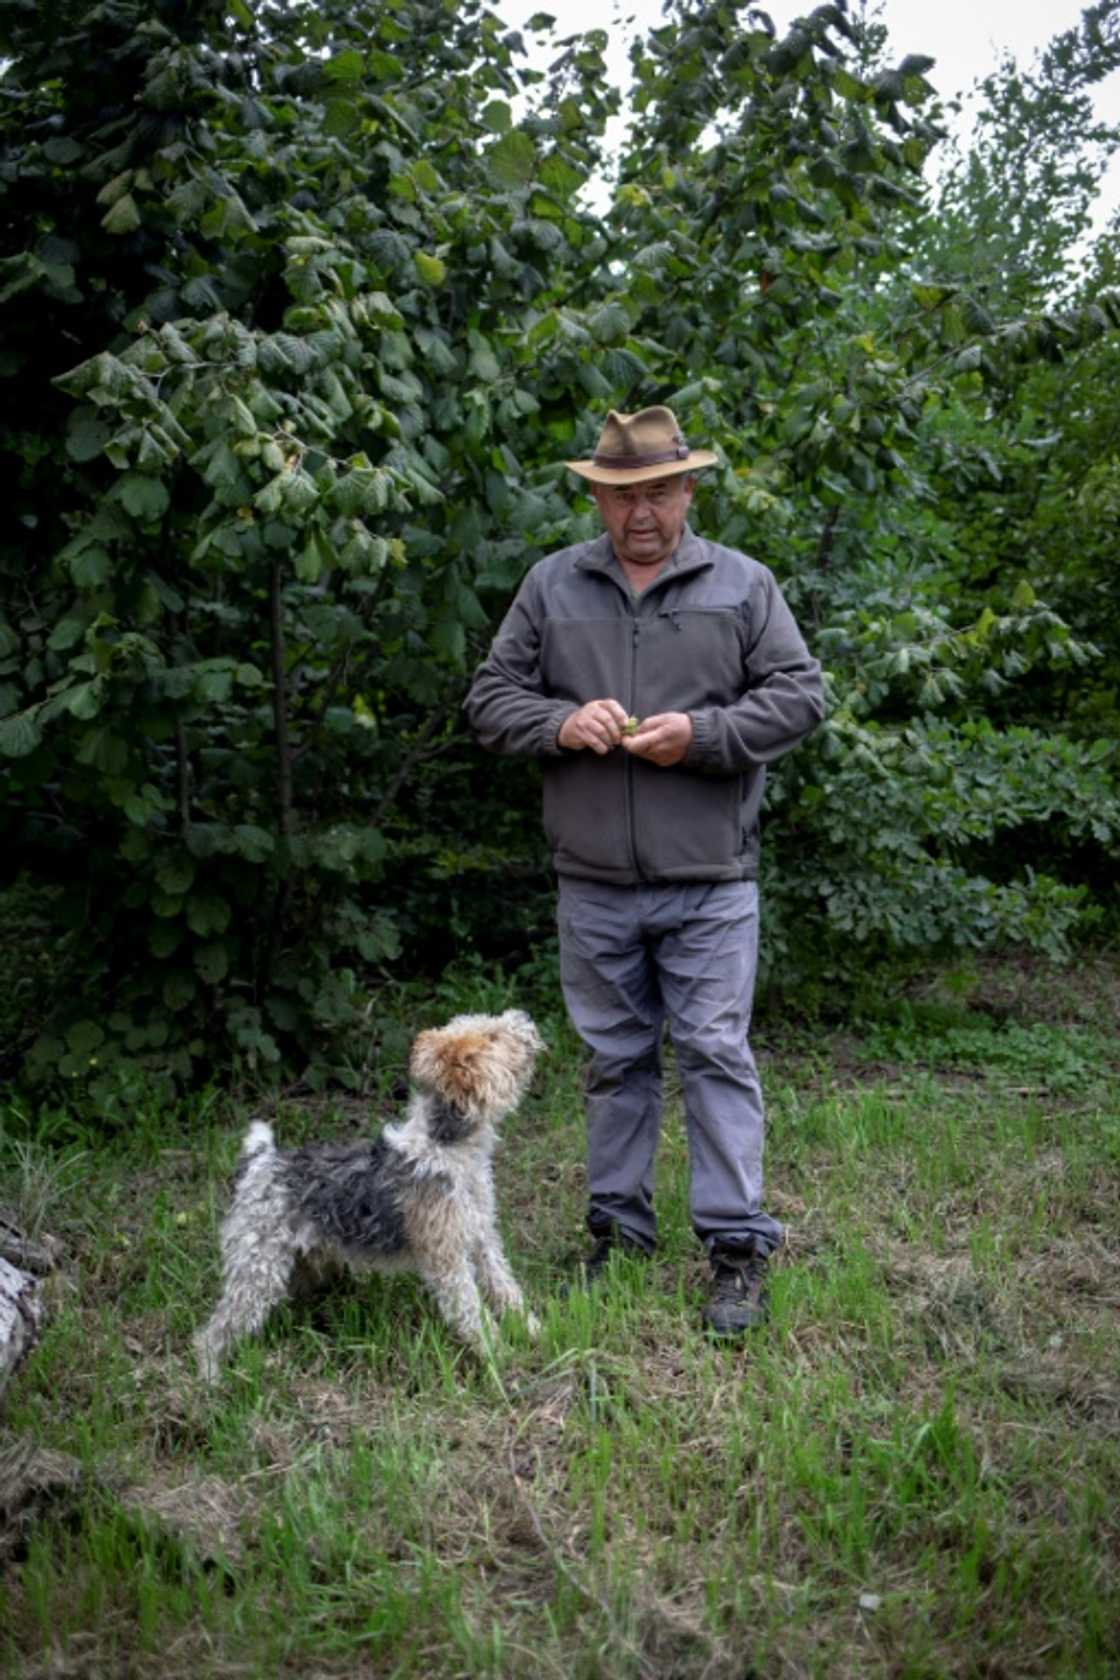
[
  {"x": 597, "y": 725},
  {"x": 662, "y": 739}
]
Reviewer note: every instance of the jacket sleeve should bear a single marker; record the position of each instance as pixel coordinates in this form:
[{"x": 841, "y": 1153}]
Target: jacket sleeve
[
  {"x": 783, "y": 697},
  {"x": 506, "y": 705}
]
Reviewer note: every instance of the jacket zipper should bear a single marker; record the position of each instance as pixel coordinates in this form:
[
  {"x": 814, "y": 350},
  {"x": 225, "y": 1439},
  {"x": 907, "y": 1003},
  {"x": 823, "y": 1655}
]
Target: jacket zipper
[{"x": 632, "y": 694}]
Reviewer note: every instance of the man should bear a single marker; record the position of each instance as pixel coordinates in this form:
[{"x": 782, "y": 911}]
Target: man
[{"x": 655, "y": 675}]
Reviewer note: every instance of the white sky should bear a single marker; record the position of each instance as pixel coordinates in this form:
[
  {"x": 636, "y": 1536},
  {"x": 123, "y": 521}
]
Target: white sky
[{"x": 966, "y": 37}]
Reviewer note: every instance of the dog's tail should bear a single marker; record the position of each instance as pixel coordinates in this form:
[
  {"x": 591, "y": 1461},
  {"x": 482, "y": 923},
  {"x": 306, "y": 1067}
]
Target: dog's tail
[{"x": 258, "y": 1138}]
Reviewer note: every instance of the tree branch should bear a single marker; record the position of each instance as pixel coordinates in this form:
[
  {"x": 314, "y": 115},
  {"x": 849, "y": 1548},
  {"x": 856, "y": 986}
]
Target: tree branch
[
  {"x": 417, "y": 751},
  {"x": 280, "y": 704}
]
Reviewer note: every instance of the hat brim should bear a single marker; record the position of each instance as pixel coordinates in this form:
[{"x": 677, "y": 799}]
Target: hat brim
[{"x": 697, "y": 458}]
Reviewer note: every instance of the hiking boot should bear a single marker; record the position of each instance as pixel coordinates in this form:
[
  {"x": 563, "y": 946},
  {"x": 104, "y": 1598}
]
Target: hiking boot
[
  {"x": 737, "y": 1301},
  {"x": 609, "y": 1239}
]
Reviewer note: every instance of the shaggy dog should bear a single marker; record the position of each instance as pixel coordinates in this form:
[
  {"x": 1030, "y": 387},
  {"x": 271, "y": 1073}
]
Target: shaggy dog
[{"x": 420, "y": 1197}]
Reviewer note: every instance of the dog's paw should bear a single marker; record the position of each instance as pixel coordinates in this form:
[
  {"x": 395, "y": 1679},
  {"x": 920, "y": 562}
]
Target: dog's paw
[
  {"x": 208, "y": 1371},
  {"x": 207, "y": 1360},
  {"x": 532, "y": 1326}
]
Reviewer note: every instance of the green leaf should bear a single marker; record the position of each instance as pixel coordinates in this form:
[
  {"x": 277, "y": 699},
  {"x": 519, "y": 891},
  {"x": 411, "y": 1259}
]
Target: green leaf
[
  {"x": 63, "y": 150},
  {"x": 116, "y": 187},
  {"x": 145, "y": 498},
  {"x": 212, "y": 962},
  {"x": 179, "y": 989},
  {"x": 164, "y": 904},
  {"x": 20, "y": 734},
  {"x": 309, "y": 562},
  {"x": 207, "y": 913},
  {"x": 65, "y": 633},
  {"x": 483, "y": 363},
  {"x": 449, "y": 639},
  {"x": 593, "y": 381},
  {"x": 299, "y": 493},
  {"x": 84, "y": 699},
  {"x": 208, "y": 839},
  {"x": 610, "y": 323},
  {"x": 847, "y": 86},
  {"x": 214, "y": 680},
  {"x": 341, "y": 117},
  {"x": 90, "y": 568},
  {"x": 916, "y": 64},
  {"x": 87, "y": 434},
  {"x": 930, "y": 295},
  {"x": 560, "y": 178},
  {"x": 167, "y": 596},
  {"x": 497, "y": 117},
  {"x": 122, "y": 217},
  {"x": 432, "y": 270},
  {"x": 346, "y": 66},
  {"x": 284, "y": 1012},
  {"x": 214, "y": 685},
  {"x": 384, "y": 66},
  {"x": 512, "y": 160},
  {"x": 544, "y": 330},
  {"x": 379, "y": 940},
  {"x": 269, "y": 497},
  {"x": 255, "y": 844},
  {"x": 175, "y": 875},
  {"x": 84, "y": 1037},
  {"x": 164, "y": 939}
]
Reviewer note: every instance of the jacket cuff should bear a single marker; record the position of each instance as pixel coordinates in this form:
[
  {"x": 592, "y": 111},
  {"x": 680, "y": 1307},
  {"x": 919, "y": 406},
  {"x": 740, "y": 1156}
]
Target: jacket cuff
[
  {"x": 698, "y": 755},
  {"x": 550, "y": 735}
]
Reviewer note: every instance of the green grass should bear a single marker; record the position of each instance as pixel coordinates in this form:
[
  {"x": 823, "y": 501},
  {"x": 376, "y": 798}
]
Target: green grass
[{"x": 913, "y": 1472}]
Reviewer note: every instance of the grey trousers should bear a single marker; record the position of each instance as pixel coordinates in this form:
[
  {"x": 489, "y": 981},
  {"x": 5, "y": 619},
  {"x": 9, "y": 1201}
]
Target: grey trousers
[{"x": 632, "y": 959}]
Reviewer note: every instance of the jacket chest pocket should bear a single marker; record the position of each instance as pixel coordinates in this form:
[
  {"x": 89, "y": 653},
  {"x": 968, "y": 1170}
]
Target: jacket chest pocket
[{"x": 690, "y": 657}]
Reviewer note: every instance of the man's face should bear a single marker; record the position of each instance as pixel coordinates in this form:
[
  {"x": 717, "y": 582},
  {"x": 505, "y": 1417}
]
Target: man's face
[{"x": 645, "y": 521}]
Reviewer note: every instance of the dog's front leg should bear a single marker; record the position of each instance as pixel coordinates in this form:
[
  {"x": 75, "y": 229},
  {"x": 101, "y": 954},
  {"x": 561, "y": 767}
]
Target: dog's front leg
[
  {"x": 459, "y": 1301},
  {"x": 498, "y": 1283}
]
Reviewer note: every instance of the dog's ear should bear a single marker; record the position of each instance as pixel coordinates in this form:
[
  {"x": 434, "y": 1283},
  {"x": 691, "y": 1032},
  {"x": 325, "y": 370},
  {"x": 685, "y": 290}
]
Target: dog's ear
[
  {"x": 448, "y": 1123},
  {"x": 424, "y": 1060}
]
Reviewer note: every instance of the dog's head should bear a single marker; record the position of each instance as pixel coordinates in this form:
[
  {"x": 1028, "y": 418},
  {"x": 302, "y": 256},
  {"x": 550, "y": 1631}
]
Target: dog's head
[{"x": 477, "y": 1067}]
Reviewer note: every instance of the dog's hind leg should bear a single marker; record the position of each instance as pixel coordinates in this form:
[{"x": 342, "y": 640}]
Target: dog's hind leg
[{"x": 257, "y": 1278}]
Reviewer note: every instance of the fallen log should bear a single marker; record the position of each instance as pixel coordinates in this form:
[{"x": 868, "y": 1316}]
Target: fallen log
[
  {"x": 21, "y": 1318},
  {"x": 22, "y": 1259},
  {"x": 31, "y": 1254}
]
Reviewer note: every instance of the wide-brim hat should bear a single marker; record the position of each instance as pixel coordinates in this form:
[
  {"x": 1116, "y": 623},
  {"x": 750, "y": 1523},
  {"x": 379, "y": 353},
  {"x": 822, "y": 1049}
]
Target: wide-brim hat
[{"x": 633, "y": 448}]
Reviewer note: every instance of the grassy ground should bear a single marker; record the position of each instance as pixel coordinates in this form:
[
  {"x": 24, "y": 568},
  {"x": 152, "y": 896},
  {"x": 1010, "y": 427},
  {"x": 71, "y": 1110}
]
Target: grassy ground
[{"x": 913, "y": 1472}]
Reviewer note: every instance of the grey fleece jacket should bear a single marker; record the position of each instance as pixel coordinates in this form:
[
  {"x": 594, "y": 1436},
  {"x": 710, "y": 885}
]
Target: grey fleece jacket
[{"x": 711, "y": 636}]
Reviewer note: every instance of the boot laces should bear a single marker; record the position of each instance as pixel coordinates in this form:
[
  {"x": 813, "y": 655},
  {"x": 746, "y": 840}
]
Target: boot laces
[{"x": 738, "y": 1275}]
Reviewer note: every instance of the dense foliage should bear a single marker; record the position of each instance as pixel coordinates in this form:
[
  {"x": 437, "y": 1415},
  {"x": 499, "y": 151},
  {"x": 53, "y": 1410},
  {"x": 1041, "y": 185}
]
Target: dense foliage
[{"x": 302, "y": 308}]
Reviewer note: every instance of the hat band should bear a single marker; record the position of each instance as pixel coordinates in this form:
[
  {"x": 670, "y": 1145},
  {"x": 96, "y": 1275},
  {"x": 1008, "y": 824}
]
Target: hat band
[{"x": 625, "y": 463}]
